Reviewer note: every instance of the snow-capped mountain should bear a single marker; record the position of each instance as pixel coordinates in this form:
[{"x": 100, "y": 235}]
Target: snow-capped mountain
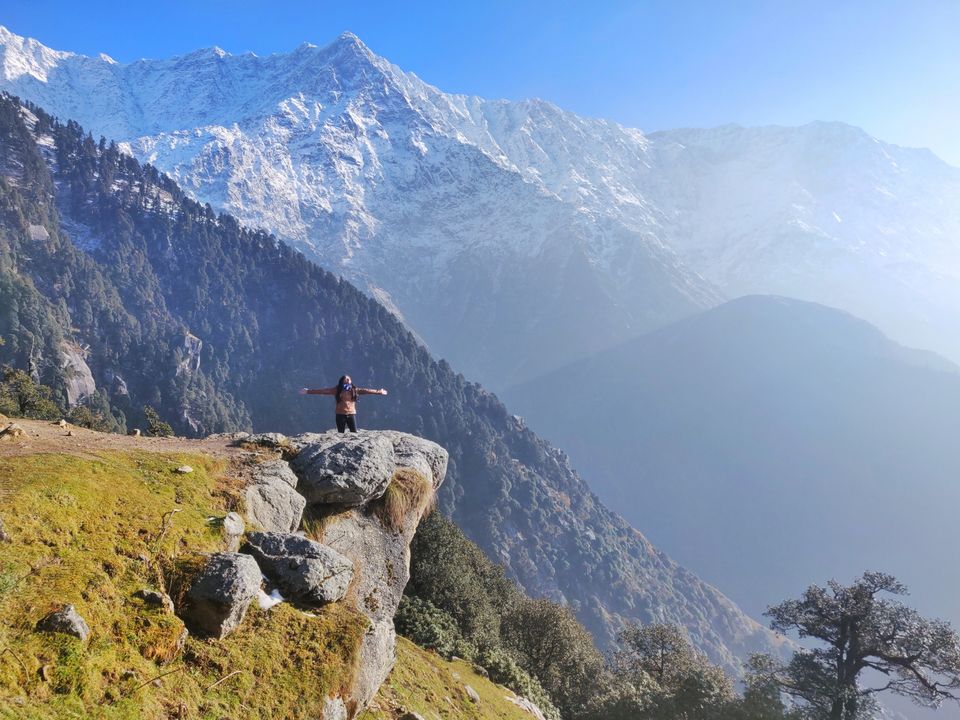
[
  {"x": 461, "y": 214},
  {"x": 515, "y": 236}
]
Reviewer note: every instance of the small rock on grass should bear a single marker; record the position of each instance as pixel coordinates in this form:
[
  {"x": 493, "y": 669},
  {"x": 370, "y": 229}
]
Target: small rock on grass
[
  {"x": 65, "y": 620},
  {"x": 220, "y": 595},
  {"x": 154, "y": 598},
  {"x": 472, "y": 694},
  {"x": 3, "y": 532},
  {"x": 184, "y": 469}
]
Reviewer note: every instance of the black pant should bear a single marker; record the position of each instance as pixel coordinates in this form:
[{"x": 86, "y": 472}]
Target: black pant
[{"x": 346, "y": 421}]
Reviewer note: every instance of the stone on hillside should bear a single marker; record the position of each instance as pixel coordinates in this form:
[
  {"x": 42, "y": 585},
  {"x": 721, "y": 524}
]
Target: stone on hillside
[
  {"x": 270, "y": 440},
  {"x": 184, "y": 469},
  {"x": 275, "y": 470},
  {"x": 3, "y": 532},
  {"x": 134, "y": 433},
  {"x": 472, "y": 694},
  {"x": 65, "y": 620},
  {"x": 155, "y": 599},
  {"x": 528, "y": 705},
  {"x": 273, "y": 504},
  {"x": 411, "y": 715},
  {"x": 220, "y": 595},
  {"x": 346, "y": 469},
  {"x": 233, "y": 529},
  {"x": 61, "y": 423},
  {"x": 12, "y": 432},
  {"x": 334, "y": 709},
  {"x": 304, "y": 570}
]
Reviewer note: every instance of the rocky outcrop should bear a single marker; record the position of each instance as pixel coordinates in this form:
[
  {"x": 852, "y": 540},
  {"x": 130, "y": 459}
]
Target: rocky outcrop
[
  {"x": 272, "y": 501},
  {"x": 220, "y": 594},
  {"x": 345, "y": 469},
  {"x": 328, "y": 463},
  {"x": 355, "y": 468},
  {"x": 304, "y": 570},
  {"x": 79, "y": 380},
  {"x": 189, "y": 362},
  {"x": 65, "y": 620}
]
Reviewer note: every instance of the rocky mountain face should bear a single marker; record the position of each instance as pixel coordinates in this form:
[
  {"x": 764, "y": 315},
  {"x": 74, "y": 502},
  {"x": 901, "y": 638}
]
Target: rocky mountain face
[
  {"x": 131, "y": 270},
  {"x": 494, "y": 228},
  {"x": 813, "y": 444}
]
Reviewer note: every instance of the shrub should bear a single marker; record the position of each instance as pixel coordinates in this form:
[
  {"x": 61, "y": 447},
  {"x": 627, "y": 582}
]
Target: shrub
[
  {"x": 20, "y": 396},
  {"x": 156, "y": 426},
  {"x": 503, "y": 669},
  {"x": 430, "y": 627}
]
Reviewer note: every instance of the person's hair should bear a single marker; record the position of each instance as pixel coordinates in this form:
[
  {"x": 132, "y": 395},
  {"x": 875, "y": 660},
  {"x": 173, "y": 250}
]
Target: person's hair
[{"x": 340, "y": 383}]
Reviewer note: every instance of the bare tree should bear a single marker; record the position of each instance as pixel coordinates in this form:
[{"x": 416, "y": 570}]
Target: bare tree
[{"x": 863, "y": 630}]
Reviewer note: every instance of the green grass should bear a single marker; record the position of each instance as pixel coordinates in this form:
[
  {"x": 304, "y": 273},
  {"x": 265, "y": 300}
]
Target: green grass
[
  {"x": 89, "y": 532},
  {"x": 425, "y": 683}
]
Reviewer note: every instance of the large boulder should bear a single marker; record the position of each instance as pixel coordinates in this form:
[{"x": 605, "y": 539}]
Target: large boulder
[
  {"x": 345, "y": 469},
  {"x": 221, "y": 593},
  {"x": 65, "y": 620},
  {"x": 272, "y": 501},
  {"x": 304, "y": 570},
  {"x": 355, "y": 468}
]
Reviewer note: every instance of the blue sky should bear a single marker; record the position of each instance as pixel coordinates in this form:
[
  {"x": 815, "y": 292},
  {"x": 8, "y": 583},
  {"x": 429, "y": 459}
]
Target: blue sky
[{"x": 892, "y": 68}]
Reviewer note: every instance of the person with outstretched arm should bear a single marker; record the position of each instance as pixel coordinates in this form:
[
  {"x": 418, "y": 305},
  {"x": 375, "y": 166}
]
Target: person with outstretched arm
[{"x": 346, "y": 394}]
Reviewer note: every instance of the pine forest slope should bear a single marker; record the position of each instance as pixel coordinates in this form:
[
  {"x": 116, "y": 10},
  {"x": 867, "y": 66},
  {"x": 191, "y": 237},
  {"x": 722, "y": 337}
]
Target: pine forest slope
[{"x": 217, "y": 326}]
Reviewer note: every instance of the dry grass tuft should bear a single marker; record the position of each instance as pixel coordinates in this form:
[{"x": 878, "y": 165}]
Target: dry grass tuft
[{"x": 409, "y": 493}]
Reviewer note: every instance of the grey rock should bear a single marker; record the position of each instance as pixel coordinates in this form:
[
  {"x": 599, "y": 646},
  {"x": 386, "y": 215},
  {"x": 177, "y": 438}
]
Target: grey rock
[
  {"x": 304, "y": 570},
  {"x": 420, "y": 454},
  {"x": 154, "y": 598},
  {"x": 274, "y": 505},
  {"x": 79, "y": 383},
  {"x": 233, "y": 529},
  {"x": 472, "y": 694},
  {"x": 270, "y": 440},
  {"x": 411, "y": 715},
  {"x": 278, "y": 470},
  {"x": 383, "y": 558},
  {"x": 184, "y": 469},
  {"x": 324, "y": 458},
  {"x": 65, "y": 620},
  {"x": 221, "y": 594},
  {"x": 233, "y": 525},
  {"x": 334, "y": 709},
  {"x": 346, "y": 469},
  {"x": 3, "y": 532},
  {"x": 12, "y": 432}
]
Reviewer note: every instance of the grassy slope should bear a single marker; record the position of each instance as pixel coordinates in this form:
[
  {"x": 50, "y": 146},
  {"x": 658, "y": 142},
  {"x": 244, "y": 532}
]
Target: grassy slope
[
  {"x": 86, "y": 531},
  {"x": 425, "y": 683}
]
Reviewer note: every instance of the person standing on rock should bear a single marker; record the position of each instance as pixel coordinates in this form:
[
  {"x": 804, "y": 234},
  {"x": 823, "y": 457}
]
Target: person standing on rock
[{"x": 346, "y": 394}]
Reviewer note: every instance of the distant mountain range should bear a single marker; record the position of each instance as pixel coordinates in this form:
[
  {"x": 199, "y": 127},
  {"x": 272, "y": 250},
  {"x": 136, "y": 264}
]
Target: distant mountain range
[
  {"x": 771, "y": 442},
  {"x": 514, "y": 237}
]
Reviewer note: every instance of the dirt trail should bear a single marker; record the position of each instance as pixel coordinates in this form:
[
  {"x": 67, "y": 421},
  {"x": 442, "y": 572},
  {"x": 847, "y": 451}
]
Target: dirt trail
[{"x": 42, "y": 436}]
